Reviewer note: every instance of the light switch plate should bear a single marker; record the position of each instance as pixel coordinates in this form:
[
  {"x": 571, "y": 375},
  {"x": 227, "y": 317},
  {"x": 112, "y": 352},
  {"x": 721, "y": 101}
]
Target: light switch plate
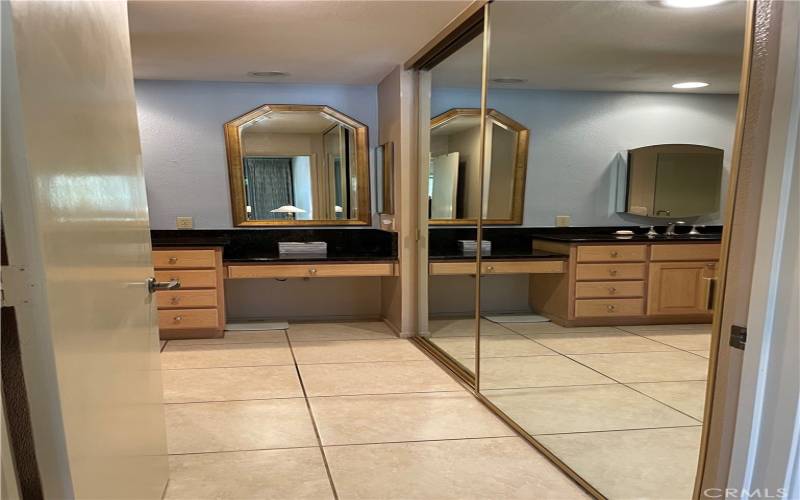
[
  {"x": 184, "y": 222},
  {"x": 563, "y": 220}
]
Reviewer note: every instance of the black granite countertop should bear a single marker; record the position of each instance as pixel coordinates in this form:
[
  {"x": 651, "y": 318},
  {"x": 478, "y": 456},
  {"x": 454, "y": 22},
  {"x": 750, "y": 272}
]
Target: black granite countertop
[
  {"x": 261, "y": 245},
  {"x": 515, "y": 243},
  {"x": 636, "y": 238}
]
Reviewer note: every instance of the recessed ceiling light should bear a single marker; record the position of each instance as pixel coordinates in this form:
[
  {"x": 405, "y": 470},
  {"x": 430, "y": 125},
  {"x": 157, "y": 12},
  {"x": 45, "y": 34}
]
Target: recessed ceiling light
[
  {"x": 267, "y": 74},
  {"x": 689, "y": 85},
  {"x": 690, "y": 4},
  {"x": 509, "y": 80}
]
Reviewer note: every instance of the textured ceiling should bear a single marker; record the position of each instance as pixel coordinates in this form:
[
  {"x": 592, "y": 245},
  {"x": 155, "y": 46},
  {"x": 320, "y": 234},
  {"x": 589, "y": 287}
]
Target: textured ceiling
[
  {"x": 605, "y": 45},
  {"x": 345, "y": 42},
  {"x": 570, "y": 45}
]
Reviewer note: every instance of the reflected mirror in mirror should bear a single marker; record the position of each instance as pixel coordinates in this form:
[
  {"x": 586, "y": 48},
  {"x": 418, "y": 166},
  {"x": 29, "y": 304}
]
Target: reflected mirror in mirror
[
  {"x": 454, "y": 180},
  {"x": 292, "y": 164},
  {"x": 672, "y": 180},
  {"x": 384, "y": 161}
]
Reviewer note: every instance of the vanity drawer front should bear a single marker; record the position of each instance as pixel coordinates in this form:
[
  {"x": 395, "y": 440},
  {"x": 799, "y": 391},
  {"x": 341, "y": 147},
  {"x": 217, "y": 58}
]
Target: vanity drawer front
[
  {"x": 167, "y": 299},
  {"x": 597, "y": 289},
  {"x": 696, "y": 251},
  {"x": 523, "y": 267},
  {"x": 187, "y": 319},
  {"x": 611, "y": 253},
  {"x": 184, "y": 259},
  {"x": 311, "y": 270},
  {"x": 598, "y": 272},
  {"x": 608, "y": 307},
  {"x": 190, "y": 279}
]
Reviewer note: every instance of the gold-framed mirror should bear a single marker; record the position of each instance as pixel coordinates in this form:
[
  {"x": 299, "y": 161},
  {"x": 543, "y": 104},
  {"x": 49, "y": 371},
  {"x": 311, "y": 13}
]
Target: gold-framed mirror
[
  {"x": 298, "y": 165},
  {"x": 454, "y": 176}
]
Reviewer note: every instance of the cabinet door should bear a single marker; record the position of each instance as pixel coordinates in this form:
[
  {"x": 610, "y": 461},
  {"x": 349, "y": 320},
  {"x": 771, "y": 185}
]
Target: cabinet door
[{"x": 681, "y": 288}]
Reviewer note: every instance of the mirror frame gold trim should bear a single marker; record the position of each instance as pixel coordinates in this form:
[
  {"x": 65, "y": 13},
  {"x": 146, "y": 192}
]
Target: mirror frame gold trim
[
  {"x": 520, "y": 165},
  {"x": 233, "y": 148}
]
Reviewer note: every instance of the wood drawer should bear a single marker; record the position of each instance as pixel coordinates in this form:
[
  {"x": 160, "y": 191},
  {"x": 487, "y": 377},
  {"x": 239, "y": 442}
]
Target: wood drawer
[
  {"x": 311, "y": 270},
  {"x": 600, "y": 272},
  {"x": 690, "y": 251},
  {"x": 611, "y": 253},
  {"x": 184, "y": 259},
  {"x": 498, "y": 267},
  {"x": 171, "y": 299},
  {"x": 523, "y": 267},
  {"x": 190, "y": 279},
  {"x": 188, "y": 319},
  {"x": 608, "y": 307},
  {"x": 602, "y": 289}
]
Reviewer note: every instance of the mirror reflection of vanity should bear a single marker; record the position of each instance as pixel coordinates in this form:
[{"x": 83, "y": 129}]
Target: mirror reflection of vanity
[{"x": 298, "y": 165}]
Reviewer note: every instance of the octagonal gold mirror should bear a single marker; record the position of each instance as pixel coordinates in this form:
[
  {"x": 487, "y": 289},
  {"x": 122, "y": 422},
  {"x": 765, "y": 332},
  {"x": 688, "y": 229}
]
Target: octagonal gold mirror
[{"x": 298, "y": 165}]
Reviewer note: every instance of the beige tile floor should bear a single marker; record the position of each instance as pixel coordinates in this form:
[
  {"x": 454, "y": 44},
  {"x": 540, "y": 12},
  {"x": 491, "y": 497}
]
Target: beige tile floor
[{"x": 338, "y": 411}]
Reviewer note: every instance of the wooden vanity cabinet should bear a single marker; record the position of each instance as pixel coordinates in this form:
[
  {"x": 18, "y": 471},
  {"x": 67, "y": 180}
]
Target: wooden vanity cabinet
[
  {"x": 197, "y": 308},
  {"x": 629, "y": 283}
]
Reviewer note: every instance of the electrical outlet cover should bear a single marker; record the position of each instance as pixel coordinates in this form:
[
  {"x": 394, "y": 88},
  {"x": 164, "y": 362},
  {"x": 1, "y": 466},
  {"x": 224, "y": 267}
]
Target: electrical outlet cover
[
  {"x": 563, "y": 220},
  {"x": 184, "y": 222}
]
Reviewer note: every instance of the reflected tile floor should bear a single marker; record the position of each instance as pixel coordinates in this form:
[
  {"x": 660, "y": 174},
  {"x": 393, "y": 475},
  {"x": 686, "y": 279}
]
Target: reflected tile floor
[
  {"x": 623, "y": 407},
  {"x": 338, "y": 410}
]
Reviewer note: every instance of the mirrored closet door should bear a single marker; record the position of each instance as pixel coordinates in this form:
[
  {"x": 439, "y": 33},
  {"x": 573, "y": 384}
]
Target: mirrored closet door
[
  {"x": 451, "y": 199},
  {"x": 596, "y": 369},
  {"x": 602, "y": 116}
]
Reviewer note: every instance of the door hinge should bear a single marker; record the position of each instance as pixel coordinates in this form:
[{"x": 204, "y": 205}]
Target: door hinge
[{"x": 738, "y": 337}]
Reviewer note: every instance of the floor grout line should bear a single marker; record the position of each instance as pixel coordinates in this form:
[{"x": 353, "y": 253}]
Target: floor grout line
[
  {"x": 305, "y": 364},
  {"x": 316, "y": 397},
  {"x": 620, "y": 430},
  {"x": 313, "y": 421},
  {"x": 511, "y": 435},
  {"x": 247, "y": 450}
]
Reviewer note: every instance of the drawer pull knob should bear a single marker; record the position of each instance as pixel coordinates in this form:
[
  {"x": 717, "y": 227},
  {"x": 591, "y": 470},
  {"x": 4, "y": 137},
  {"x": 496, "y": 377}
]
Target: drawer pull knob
[
  {"x": 614, "y": 253},
  {"x": 711, "y": 265},
  {"x": 612, "y": 290},
  {"x": 490, "y": 268},
  {"x": 178, "y": 319},
  {"x": 612, "y": 272},
  {"x": 173, "y": 260},
  {"x": 174, "y": 300},
  {"x": 611, "y": 308},
  {"x": 312, "y": 271}
]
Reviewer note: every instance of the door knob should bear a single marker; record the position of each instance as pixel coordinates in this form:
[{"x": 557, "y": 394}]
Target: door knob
[{"x": 153, "y": 285}]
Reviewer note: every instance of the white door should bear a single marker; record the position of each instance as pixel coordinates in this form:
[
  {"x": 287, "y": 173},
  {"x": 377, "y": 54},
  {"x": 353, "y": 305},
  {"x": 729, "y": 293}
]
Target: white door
[
  {"x": 76, "y": 225},
  {"x": 444, "y": 186}
]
